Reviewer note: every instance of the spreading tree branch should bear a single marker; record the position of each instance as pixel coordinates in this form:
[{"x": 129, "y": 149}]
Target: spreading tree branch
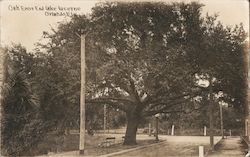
[
  {"x": 153, "y": 112},
  {"x": 114, "y": 102}
]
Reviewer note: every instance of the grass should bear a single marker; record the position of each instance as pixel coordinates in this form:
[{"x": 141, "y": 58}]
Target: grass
[{"x": 55, "y": 144}]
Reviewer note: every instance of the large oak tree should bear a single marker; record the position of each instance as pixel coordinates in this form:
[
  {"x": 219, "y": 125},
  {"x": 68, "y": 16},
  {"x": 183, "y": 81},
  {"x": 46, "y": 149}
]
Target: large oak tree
[{"x": 146, "y": 58}]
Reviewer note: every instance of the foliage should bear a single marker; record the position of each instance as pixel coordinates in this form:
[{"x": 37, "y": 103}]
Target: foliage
[
  {"x": 143, "y": 58},
  {"x": 21, "y": 124}
]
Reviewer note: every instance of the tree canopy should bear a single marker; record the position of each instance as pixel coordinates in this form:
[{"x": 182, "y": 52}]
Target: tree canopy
[{"x": 147, "y": 58}]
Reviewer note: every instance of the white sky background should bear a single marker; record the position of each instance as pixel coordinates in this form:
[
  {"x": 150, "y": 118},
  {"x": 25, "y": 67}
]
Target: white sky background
[{"x": 26, "y": 27}]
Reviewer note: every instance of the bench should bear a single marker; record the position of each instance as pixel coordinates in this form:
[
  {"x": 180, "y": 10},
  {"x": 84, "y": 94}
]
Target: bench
[{"x": 107, "y": 142}]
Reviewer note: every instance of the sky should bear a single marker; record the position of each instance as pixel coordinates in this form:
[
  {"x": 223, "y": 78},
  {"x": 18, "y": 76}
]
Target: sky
[{"x": 23, "y": 21}]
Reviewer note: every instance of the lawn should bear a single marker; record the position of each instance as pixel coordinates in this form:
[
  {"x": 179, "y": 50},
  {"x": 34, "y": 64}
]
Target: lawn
[{"x": 54, "y": 144}]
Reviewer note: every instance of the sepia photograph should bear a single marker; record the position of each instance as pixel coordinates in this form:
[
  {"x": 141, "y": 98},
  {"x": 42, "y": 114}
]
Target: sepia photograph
[{"x": 124, "y": 78}]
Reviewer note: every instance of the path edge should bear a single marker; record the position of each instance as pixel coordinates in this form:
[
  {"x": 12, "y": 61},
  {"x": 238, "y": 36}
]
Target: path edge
[
  {"x": 131, "y": 149},
  {"x": 216, "y": 145}
]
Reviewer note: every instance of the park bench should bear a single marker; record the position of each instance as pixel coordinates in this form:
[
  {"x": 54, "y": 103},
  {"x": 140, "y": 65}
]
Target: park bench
[{"x": 107, "y": 142}]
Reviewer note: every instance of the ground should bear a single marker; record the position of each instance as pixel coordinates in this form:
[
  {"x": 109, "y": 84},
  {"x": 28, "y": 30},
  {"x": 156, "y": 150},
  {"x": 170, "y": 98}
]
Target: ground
[
  {"x": 174, "y": 146},
  {"x": 229, "y": 147},
  {"x": 92, "y": 148}
]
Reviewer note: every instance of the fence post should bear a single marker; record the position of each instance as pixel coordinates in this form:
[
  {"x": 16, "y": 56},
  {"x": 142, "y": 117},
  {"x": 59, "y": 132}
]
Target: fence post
[
  {"x": 172, "y": 133},
  {"x": 149, "y": 129},
  {"x": 201, "y": 151}
]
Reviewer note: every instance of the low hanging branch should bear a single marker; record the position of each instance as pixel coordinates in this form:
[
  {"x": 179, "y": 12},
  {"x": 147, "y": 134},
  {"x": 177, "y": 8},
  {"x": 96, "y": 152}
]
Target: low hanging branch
[
  {"x": 150, "y": 113},
  {"x": 119, "y": 103}
]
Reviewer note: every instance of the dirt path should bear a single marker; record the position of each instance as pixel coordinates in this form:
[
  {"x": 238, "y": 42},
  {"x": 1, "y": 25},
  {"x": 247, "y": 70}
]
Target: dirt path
[
  {"x": 175, "y": 146},
  {"x": 230, "y": 147}
]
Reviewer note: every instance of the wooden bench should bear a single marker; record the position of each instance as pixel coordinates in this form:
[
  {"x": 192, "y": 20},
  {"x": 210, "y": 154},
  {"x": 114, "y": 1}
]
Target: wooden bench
[{"x": 107, "y": 142}]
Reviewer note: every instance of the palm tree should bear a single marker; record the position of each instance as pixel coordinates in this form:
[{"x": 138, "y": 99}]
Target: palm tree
[{"x": 20, "y": 111}]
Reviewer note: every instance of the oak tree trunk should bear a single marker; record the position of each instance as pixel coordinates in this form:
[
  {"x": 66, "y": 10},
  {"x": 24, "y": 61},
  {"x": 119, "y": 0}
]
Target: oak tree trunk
[{"x": 131, "y": 130}]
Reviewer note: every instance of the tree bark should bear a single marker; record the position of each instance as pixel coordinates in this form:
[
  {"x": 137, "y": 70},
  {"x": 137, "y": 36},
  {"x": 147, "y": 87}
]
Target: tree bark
[{"x": 131, "y": 130}]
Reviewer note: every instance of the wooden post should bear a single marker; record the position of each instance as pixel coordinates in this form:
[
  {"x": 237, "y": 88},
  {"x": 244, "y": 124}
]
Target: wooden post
[
  {"x": 246, "y": 127},
  {"x": 157, "y": 128},
  {"x": 149, "y": 129},
  {"x": 221, "y": 122},
  {"x": 201, "y": 151},
  {"x": 205, "y": 131},
  {"x": 3, "y": 69},
  {"x": 211, "y": 123},
  {"x": 104, "y": 118},
  {"x": 246, "y": 88},
  {"x": 172, "y": 133},
  {"x": 82, "y": 97},
  {"x": 107, "y": 118}
]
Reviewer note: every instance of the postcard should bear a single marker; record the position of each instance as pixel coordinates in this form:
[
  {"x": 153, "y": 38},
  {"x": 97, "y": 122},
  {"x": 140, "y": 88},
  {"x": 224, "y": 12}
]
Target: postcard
[{"x": 165, "y": 78}]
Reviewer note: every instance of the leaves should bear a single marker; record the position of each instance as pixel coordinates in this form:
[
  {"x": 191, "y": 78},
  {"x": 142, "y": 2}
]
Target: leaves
[
  {"x": 21, "y": 124},
  {"x": 145, "y": 51}
]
